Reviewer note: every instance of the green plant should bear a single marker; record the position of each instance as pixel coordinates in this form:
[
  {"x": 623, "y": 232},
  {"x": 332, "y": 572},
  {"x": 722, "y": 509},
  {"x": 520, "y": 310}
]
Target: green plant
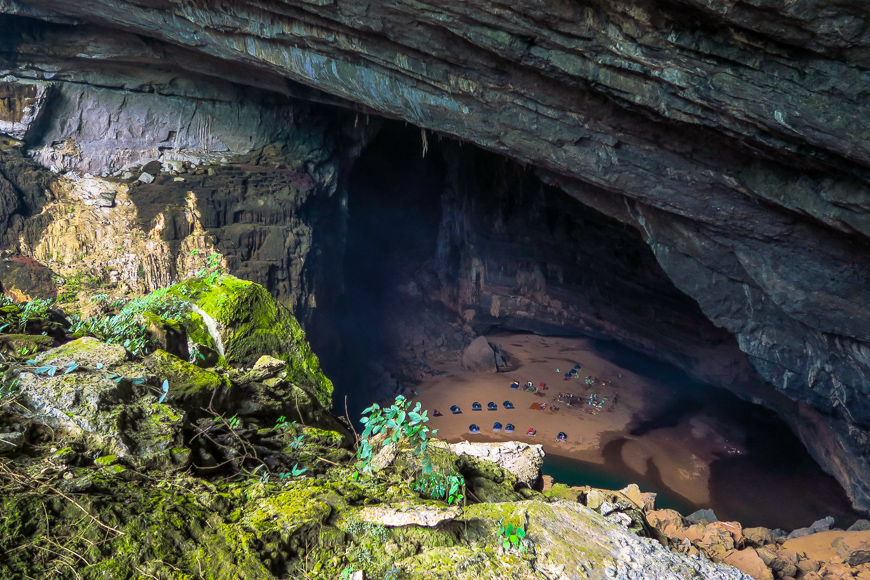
[
  {"x": 512, "y": 537},
  {"x": 51, "y": 370},
  {"x": 379, "y": 533},
  {"x": 297, "y": 442},
  {"x": 8, "y": 390},
  {"x": 127, "y": 328},
  {"x": 195, "y": 354},
  {"x": 438, "y": 486},
  {"x": 33, "y": 309},
  {"x": 165, "y": 388},
  {"x": 212, "y": 271},
  {"x": 233, "y": 422},
  {"x": 396, "y": 422}
]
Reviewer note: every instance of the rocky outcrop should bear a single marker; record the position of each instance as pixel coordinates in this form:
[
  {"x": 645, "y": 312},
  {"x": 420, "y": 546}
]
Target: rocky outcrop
[
  {"x": 522, "y": 460},
  {"x": 242, "y": 323},
  {"x": 481, "y": 357},
  {"x": 767, "y": 554},
  {"x": 140, "y": 408}
]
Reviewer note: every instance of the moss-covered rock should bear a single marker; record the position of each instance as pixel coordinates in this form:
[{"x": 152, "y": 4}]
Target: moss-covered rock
[
  {"x": 242, "y": 322},
  {"x": 85, "y": 351},
  {"x": 23, "y": 345},
  {"x": 189, "y": 386}
]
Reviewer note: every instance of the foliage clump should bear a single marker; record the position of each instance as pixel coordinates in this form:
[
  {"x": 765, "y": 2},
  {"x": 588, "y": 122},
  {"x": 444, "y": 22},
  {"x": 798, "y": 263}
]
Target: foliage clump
[
  {"x": 403, "y": 425},
  {"x": 127, "y": 327}
]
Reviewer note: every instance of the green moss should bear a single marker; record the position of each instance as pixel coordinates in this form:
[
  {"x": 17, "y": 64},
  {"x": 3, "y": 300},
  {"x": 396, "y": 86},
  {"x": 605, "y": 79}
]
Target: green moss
[
  {"x": 105, "y": 460},
  {"x": 247, "y": 324},
  {"x": 561, "y": 491},
  {"x": 85, "y": 351},
  {"x": 189, "y": 385},
  {"x": 23, "y": 344}
]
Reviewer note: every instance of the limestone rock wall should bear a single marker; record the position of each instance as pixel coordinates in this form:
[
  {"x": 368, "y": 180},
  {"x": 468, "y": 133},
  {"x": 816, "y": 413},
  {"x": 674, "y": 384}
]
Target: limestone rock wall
[{"x": 131, "y": 177}]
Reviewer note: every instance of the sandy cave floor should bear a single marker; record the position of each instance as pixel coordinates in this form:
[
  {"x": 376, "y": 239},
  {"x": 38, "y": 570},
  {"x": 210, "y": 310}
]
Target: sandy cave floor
[{"x": 681, "y": 454}]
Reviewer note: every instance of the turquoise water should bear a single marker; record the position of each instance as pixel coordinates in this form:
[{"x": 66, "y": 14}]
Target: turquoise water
[{"x": 574, "y": 472}]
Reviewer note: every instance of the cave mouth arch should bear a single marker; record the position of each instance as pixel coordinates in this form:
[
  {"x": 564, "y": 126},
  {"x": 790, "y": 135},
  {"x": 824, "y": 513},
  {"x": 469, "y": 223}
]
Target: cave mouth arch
[{"x": 458, "y": 242}]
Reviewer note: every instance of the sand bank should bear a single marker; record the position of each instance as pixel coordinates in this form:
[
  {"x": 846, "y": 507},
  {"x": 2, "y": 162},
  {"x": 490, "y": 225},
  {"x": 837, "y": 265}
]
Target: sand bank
[{"x": 681, "y": 454}]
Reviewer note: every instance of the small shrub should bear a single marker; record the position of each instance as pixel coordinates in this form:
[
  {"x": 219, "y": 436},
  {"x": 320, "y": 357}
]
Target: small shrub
[
  {"x": 512, "y": 537},
  {"x": 397, "y": 422},
  {"x": 438, "y": 486}
]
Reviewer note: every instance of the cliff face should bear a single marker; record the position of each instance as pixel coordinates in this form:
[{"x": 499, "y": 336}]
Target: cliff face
[{"x": 731, "y": 136}]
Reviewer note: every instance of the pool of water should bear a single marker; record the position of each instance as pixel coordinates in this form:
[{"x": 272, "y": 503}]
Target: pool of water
[{"x": 773, "y": 482}]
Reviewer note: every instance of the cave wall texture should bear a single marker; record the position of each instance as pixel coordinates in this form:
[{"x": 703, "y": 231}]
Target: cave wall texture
[{"x": 732, "y": 136}]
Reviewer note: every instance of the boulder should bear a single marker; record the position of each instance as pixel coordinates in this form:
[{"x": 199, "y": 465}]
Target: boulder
[
  {"x": 705, "y": 515},
  {"x": 23, "y": 278},
  {"x": 668, "y": 522},
  {"x": 520, "y": 459},
  {"x": 242, "y": 322},
  {"x": 784, "y": 564},
  {"x": 501, "y": 357},
  {"x": 859, "y": 526},
  {"x": 548, "y": 482},
  {"x": 480, "y": 357},
  {"x": 853, "y": 547},
  {"x": 87, "y": 386},
  {"x": 715, "y": 542},
  {"x": 800, "y": 533},
  {"x": 748, "y": 562},
  {"x": 758, "y": 537},
  {"x": 105, "y": 199},
  {"x": 645, "y": 501},
  {"x": 822, "y": 525}
]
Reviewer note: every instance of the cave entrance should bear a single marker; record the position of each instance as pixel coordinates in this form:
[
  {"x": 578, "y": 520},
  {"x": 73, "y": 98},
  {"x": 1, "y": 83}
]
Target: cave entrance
[{"x": 461, "y": 242}]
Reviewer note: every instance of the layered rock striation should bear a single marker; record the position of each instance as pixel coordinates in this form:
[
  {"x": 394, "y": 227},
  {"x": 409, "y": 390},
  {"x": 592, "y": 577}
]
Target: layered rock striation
[{"x": 732, "y": 137}]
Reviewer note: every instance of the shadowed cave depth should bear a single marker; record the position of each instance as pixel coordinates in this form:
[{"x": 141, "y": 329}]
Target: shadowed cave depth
[{"x": 462, "y": 242}]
